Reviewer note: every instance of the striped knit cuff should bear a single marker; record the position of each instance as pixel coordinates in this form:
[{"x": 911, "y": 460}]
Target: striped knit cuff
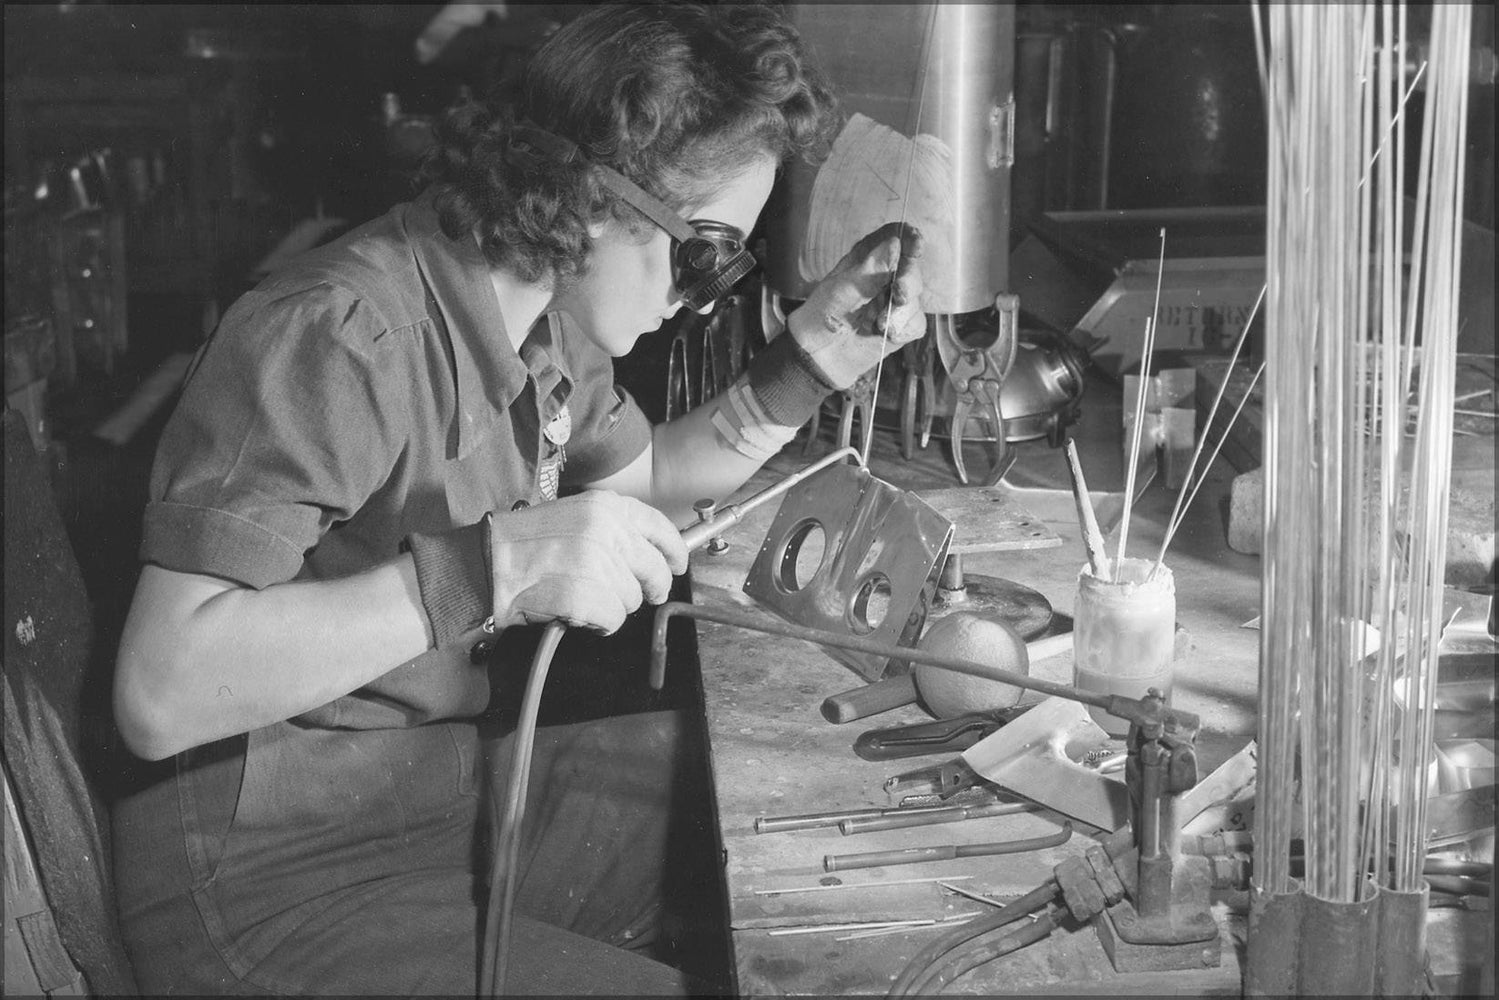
[
  {"x": 786, "y": 382},
  {"x": 743, "y": 424},
  {"x": 453, "y": 575}
]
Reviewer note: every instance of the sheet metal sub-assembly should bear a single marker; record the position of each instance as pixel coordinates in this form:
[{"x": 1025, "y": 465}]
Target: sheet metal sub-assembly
[{"x": 849, "y": 553}]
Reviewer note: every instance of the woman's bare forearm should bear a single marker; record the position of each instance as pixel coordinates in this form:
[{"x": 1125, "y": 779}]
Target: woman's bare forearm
[{"x": 202, "y": 658}]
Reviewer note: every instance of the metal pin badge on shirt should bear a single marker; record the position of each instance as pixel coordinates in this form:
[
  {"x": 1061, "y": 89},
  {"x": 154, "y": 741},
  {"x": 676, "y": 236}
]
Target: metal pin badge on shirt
[
  {"x": 560, "y": 427},
  {"x": 548, "y": 475}
]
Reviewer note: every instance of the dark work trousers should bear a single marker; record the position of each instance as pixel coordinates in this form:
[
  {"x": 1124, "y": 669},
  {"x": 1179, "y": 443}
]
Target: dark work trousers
[{"x": 314, "y": 861}]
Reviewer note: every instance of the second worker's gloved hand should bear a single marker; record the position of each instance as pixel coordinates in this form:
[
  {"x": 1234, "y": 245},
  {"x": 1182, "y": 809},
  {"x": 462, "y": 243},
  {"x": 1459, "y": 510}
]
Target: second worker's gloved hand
[
  {"x": 587, "y": 560},
  {"x": 858, "y": 312}
]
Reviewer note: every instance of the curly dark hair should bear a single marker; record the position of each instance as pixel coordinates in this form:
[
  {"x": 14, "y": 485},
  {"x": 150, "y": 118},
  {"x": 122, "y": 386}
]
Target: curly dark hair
[{"x": 674, "y": 96}]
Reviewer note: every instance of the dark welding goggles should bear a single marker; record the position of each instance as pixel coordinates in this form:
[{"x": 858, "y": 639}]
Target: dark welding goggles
[{"x": 707, "y": 257}]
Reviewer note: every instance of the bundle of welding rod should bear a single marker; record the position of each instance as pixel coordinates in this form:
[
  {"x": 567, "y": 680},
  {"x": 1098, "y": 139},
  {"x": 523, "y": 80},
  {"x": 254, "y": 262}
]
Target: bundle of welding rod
[{"x": 1360, "y": 350}]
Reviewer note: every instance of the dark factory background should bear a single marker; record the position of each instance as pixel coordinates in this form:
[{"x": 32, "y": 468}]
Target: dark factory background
[{"x": 155, "y": 155}]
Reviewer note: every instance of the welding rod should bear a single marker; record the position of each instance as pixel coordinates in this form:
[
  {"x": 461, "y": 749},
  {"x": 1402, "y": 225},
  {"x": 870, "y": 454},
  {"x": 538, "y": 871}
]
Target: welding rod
[
  {"x": 944, "y": 852},
  {"x": 899, "y": 819},
  {"x": 811, "y": 821}
]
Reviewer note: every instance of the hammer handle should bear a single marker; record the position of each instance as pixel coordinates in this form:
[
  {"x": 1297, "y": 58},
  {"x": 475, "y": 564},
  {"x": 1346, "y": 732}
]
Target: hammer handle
[
  {"x": 1047, "y": 646},
  {"x": 871, "y": 699}
]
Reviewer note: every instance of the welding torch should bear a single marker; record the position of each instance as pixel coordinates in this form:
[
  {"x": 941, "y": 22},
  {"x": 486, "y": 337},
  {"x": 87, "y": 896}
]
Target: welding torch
[
  {"x": 498, "y": 925},
  {"x": 713, "y": 522}
]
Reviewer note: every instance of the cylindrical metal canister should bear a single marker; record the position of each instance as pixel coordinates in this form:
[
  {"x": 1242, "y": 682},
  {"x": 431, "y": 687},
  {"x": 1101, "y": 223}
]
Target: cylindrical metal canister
[
  {"x": 927, "y": 92},
  {"x": 1401, "y": 970},
  {"x": 1274, "y": 929},
  {"x": 1337, "y": 947}
]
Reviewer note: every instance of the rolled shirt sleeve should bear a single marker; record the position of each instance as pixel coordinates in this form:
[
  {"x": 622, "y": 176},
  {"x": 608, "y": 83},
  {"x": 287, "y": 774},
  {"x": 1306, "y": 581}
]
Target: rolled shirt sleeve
[{"x": 287, "y": 424}]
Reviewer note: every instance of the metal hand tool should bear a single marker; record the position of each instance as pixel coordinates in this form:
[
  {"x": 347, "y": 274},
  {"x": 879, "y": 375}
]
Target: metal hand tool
[
  {"x": 982, "y": 393},
  {"x": 918, "y": 396},
  {"x": 726, "y": 349},
  {"x": 870, "y": 699},
  {"x": 975, "y": 374},
  {"x": 940, "y": 736},
  {"x": 681, "y": 392},
  {"x": 714, "y": 521},
  {"x": 708, "y": 371},
  {"x": 977, "y": 795},
  {"x": 943, "y": 780},
  {"x": 858, "y": 403}
]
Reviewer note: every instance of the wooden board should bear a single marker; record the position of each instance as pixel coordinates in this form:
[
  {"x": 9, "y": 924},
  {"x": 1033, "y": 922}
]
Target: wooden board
[{"x": 988, "y": 519}]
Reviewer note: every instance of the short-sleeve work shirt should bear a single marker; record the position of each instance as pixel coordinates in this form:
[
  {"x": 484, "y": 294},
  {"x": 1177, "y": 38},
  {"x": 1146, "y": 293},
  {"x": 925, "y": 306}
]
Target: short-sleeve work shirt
[{"x": 366, "y": 392}]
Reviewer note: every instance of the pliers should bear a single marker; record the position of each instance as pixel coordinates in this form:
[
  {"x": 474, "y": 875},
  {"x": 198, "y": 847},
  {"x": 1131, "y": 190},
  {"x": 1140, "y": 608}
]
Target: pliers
[
  {"x": 857, "y": 401},
  {"x": 681, "y": 387},
  {"x": 721, "y": 355},
  {"x": 725, "y": 347},
  {"x": 918, "y": 396},
  {"x": 984, "y": 394},
  {"x": 975, "y": 374},
  {"x": 943, "y": 780}
]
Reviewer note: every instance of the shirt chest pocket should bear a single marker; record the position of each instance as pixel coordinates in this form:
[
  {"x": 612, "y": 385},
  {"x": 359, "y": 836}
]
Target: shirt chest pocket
[{"x": 494, "y": 475}]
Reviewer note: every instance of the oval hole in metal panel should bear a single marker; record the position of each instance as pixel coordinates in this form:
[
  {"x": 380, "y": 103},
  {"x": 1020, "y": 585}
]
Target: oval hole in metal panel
[
  {"x": 871, "y": 603},
  {"x": 801, "y": 556}
]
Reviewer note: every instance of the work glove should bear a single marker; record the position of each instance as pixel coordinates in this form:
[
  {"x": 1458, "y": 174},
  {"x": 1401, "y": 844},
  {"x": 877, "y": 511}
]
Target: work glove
[
  {"x": 587, "y": 560},
  {"x": 857, "y": 313}
]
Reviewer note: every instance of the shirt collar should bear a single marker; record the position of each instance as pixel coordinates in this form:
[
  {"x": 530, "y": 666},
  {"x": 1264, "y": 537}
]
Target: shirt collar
[
  {"x": 546, "y": 360},
  {"x": 489, "y": 373}
]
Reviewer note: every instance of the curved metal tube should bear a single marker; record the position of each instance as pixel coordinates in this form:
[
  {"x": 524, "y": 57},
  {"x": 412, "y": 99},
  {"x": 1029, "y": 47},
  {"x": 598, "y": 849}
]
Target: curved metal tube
[
  {"x": 1133, "y": 709},
  {"x": 747, "y": 620}
]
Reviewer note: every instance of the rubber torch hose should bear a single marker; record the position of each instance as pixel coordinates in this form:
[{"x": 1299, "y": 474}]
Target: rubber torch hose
[
  {"x": 499, "y": 917},
  {"x": 938, "y": 949},
  {"x": 499, "y": 912},
  {"x": 984, "y": 949}
]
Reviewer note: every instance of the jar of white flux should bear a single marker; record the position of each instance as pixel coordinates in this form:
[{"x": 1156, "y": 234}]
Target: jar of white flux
[{"x": 1124, "y": 635}]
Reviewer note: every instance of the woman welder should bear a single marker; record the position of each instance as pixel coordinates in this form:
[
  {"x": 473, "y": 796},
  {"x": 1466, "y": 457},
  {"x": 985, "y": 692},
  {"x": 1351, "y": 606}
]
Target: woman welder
[{"x": 363, "y": 472}]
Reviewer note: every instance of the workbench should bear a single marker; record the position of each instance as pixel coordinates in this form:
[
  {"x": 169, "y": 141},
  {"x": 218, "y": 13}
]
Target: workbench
[{"x": 773, "y": 754}]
